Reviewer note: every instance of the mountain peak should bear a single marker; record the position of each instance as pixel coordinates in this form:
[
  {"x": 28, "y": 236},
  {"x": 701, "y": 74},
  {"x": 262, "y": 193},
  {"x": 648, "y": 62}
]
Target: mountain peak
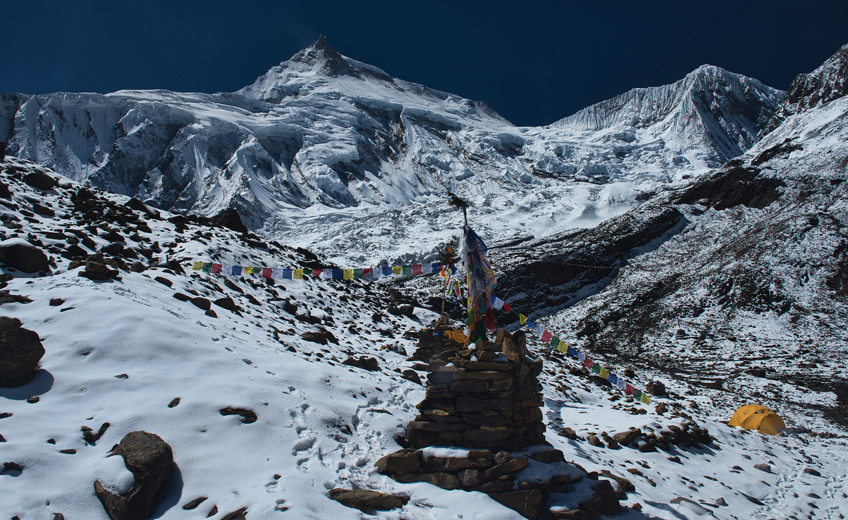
[
  {"x": 324, "y": 58},
  {"x": 828, "y": 82}
]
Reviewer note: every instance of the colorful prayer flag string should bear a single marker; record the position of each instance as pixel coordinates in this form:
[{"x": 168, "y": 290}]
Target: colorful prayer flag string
[{"x": 371, "y": 273}]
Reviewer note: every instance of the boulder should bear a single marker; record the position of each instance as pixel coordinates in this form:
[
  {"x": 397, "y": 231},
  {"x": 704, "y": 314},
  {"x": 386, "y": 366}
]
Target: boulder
[
  {"x": 366, "y": 500},
  {"x": 655, "y": 388},
  {"x": 439, "y": 479},
  {"x": 367, "y": 363},
  {"x": 20, "y": 352},
  {"x": 23, "y": 256},
  {"x": 40, "y": 181},
  {"x": 407, "y": 460},
  {"x": 149, "y": 459},
  {"x": 526, "y": 503},
  {"x": 113, "y": 249},
  {"x": 512, "y": 352},
  {"x": 227, "y": 303},
  {"x": 322, "y": 337},
  {"x": 625, "y": 438},
  {"x": 230, "y": 219}
]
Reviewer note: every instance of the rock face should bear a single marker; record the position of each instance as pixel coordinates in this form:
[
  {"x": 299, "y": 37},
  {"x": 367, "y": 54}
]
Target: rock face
[
  {"x": 483, "y": 404},
  {"x": 23, "y": 256},
  {"x": 20, "y": 352},
  {"x": 229, "y": 218},
  {"x": 826, "y": 83},
  {"x": 149, "y": 458}
]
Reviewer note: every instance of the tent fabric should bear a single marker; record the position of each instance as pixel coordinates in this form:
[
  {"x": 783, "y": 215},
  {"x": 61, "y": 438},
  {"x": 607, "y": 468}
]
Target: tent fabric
[{"x": 757, "y": 417}]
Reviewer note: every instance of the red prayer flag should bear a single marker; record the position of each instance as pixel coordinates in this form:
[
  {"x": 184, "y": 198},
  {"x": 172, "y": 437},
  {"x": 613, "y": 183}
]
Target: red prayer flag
[
  {"x": 266, "y": 272},
  {"x": 628, "y": 389},
  {"x": 317, "y": 272},
  {"x": 216, "y": 268},
  {"x": 546, "y": 337},
  {"x": 507, "y": 307},
  {"x": 416, "y": 269},
  {"x": 367, "y": 270},
  {"x": 588, "y": 363}
]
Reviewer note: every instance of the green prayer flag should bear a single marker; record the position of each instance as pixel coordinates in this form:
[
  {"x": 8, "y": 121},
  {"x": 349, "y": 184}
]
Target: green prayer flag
[
  {"x": 207, "y": 267},
  {"x": 307, "y": 271},
  {"x": 406, "y": 270},
  {"x": 596, "y": 368},
  {"x": 637, "y": 394},
  {"x": 357, "y": 273},
  {"x": 554, "y": 341}
]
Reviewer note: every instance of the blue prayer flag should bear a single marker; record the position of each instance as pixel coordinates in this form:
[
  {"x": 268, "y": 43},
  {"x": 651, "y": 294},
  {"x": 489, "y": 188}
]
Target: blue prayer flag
[
  {"x": 287, "y": 274},
  {"x": 613, "y": 378},
  {"x": 436, "y": 267},
  {"x": 387, "y": 270},
  {"x": 236, "y": 270},
  {"x": 571, "y": 352},
  {"x": 338, "y": 273}
]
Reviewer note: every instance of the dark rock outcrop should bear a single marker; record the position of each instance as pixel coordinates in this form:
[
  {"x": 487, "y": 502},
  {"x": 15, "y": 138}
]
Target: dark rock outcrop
[
  {"x": 366, "y": 500},
  {"x": 24, "y": 257},
  {"x": 20, "y": 352}
]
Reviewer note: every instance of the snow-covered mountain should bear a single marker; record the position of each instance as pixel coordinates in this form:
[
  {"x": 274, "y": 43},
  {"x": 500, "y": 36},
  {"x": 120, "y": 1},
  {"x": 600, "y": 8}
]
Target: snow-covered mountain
[{"x": 323, "y": 143}]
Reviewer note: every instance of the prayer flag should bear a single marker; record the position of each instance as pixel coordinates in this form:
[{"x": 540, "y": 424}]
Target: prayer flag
[
  {"x": 613, "y": 379},
  {"x": 540, "y": 331},
  {"x": 522, "y": 318},
  {"x": 357, "y": 273},
  {"x": 507, "y": 307},
  {"x": 226, "y": 269},
  {"x": 596, "y": 368},
  {"x": 397, "y": 269},
  {"x": 621, "y": 384},
  {"x": 407, "y": 270},
  {"x": 604, "y": 373},
  {"x": 417, "y": 269},
  {"x": 497, "y": 303},
  {"x": 637, "y": 394},
  {"x": 531, "y": 324},
  {"x": 366, "y": 272},
  {"x": 388, "y": 271},
  {"x": 338, "y": 274},
  {"x": 298, "y": 274},
  {"x": 628, "y": 389},
  {"x": 267, "y": 272},
  {"x": 197, "y": 266},
  {"x": 588, "y": 363},
  {"x": 248, "y": 271},
  {"x": 645, "y": 398},
  {"x": 317, "y": 272},
  {"x": 435, "y": 267},
  {"x": 347, "y": 274},
  {"x": 216, "y": 268},
  {"x": 547, "y": 337},
  {"x": 377, "y": 272},
  {"x": 580, "y": 357},
  {"x": 237, "y": 270},
  {"x": 288, "y": 274},
  {"x": 572, "y": 353},
  {"x": 426, "y": 268},
  {"x": 207, "y": 267}
]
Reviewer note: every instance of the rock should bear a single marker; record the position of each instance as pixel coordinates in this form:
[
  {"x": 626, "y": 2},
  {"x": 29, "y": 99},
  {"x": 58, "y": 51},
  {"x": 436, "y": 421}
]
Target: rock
[
  {"x": 625, "y": 438},
  {"x": 230, "y": 219},
  {"x": 412, "y": 375},
  {"x": 752, "y": 499},
  {"x": 20, "y": 352},
  {"x": 55, "y": 302},
  {"x": 526, "y": 503},
  {"x": 201, "y": 303},
  {"x": 547, "y": 457},
  {"x": 113, "y": 249},
  {"x": 247, "y": 416},
  {"x": 174, "y": 402},
  {"x": 138, "y": 267},
  {"x": 367, "y": 363},
  {"x": 568, "y": 433},
  {"x": 442, "y": 480},
  {"x": 471, "y": 477},
  {"x": 595, "y": 441},
  {"x": 675, "y": 459},
  {"x": 649, "y": 446},
  {"x": 23, "y": 256},
  {"x": 512, "y": 352},
  {"x": 603, "y": 502},
  {"x": 655, "y": 388},
  {"x": 501, "y": 457},
  {"x": 40, "y": 181},
  {"x": 763, "y": 467},
  {"x": 227, "y": 303},
  {"x": 322, "y": 337},
  {"x": 238, "y": 514},
  {"x": 811, "y": 471},
  {"x": 194, "y": 503},
  {"x": 92, "y": 438},
  {"x": 98, "y": 271},
  {"x": 366, "y": 500},
  {"x": 211, "y": 313},
  {"x": 149, "y": 459},
  {"x": 32, "y": 400},
  {"x": 407, "y": 460},
  {"x": 164, "y": 281},
  {"x": 661, "y": 408},
  {"x": 454, "y": 465},
  {"x": 510, "y": 466}
]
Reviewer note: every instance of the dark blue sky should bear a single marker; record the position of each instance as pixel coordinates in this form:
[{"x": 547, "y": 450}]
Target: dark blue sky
[{"x": 532, "y": 61}]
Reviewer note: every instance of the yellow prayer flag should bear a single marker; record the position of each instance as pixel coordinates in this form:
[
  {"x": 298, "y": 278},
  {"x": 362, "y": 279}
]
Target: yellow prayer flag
[
  {"x": 562, "y": 347},
  {"x": 522, "y": 318},
  {"x": 604, "y": 373},
  {"x": 248, "y": 270},
  {"x": 298, "y": 274},
  {"x": 397, "y": 269},
  {"x": 645, "y": 398},
  {"x": 347, "y": 274},
  {"x": 197, "y": 266}
]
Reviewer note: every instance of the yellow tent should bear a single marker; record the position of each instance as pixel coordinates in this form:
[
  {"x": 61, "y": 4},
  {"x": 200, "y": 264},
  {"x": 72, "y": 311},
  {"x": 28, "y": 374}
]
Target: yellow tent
[{"x": 756, "y": 417}]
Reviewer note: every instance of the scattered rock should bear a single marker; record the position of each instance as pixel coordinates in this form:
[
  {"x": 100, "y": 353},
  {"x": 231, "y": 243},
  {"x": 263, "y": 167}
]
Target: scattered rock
[
  {"x": 92, "y": 438},
  {"x": 230, "y": 219},
  {"x": 55, "y": 302},
  {"x": 40, "y": 181},
  {"x": 568, "y": 433},
  {"x": 211, "y": 313},
  {"x": 174, "y": 402},
  {"x": 149, "y": 459},
  {"x": 201, "y": 303},
  {"x": 247, "y": 416},
  {"x": 595, "y": 441},
  {"x": 625, "y": 438},
  {"x": 20, "y": 352},
  {"x": 812, "y": 471},
  {"x": 32, "y": 400},
  {"x": 12, "y": 466},
  {"x": 366, "y": 500},
  {"x": 23, "y": 256},
  {"x": 411, "y": 375},
  {"x": 752, "y": 499},
  {"x": 70, "y": 451},
  {"x": 238, "y": 514},
  {"x": 367, "y": 363},
  {"x": 321, "y": 337},
  {"x": 763, "y": 467},
  {"x": 194, "y": 503},
  {"x": 526, "y": 503},
  {"x": 407, "y": 460},
  {"x": 164, "y": 281}
]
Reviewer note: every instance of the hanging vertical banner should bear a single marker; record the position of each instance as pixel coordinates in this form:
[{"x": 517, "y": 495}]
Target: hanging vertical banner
[{"x": 480, "y": 281}]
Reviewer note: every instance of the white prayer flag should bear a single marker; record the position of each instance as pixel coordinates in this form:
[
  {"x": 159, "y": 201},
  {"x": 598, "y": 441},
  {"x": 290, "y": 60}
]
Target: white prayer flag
[
  {"x": 277, "y": 272},
  {"x": 426, "y": 268},
  {"x": 497, "y": 303}
]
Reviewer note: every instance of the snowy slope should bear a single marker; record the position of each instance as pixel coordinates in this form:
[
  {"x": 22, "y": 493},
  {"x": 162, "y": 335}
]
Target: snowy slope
[
  {"x": 121, "y": 351},
  {"x": 322, "y": 143}
]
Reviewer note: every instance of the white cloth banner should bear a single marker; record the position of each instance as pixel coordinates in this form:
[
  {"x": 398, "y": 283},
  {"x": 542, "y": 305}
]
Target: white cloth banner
[
  {"x": 426, "y": 268},
  {"x": 580, "y": 357},
  {"x": 497, "y": 303},
  {"x": 227, "y": 270},
  {"x": 277, "y": 272}
]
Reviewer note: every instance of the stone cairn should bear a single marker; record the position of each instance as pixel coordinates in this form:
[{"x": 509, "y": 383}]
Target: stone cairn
[{"x": 486, "y": 401}]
